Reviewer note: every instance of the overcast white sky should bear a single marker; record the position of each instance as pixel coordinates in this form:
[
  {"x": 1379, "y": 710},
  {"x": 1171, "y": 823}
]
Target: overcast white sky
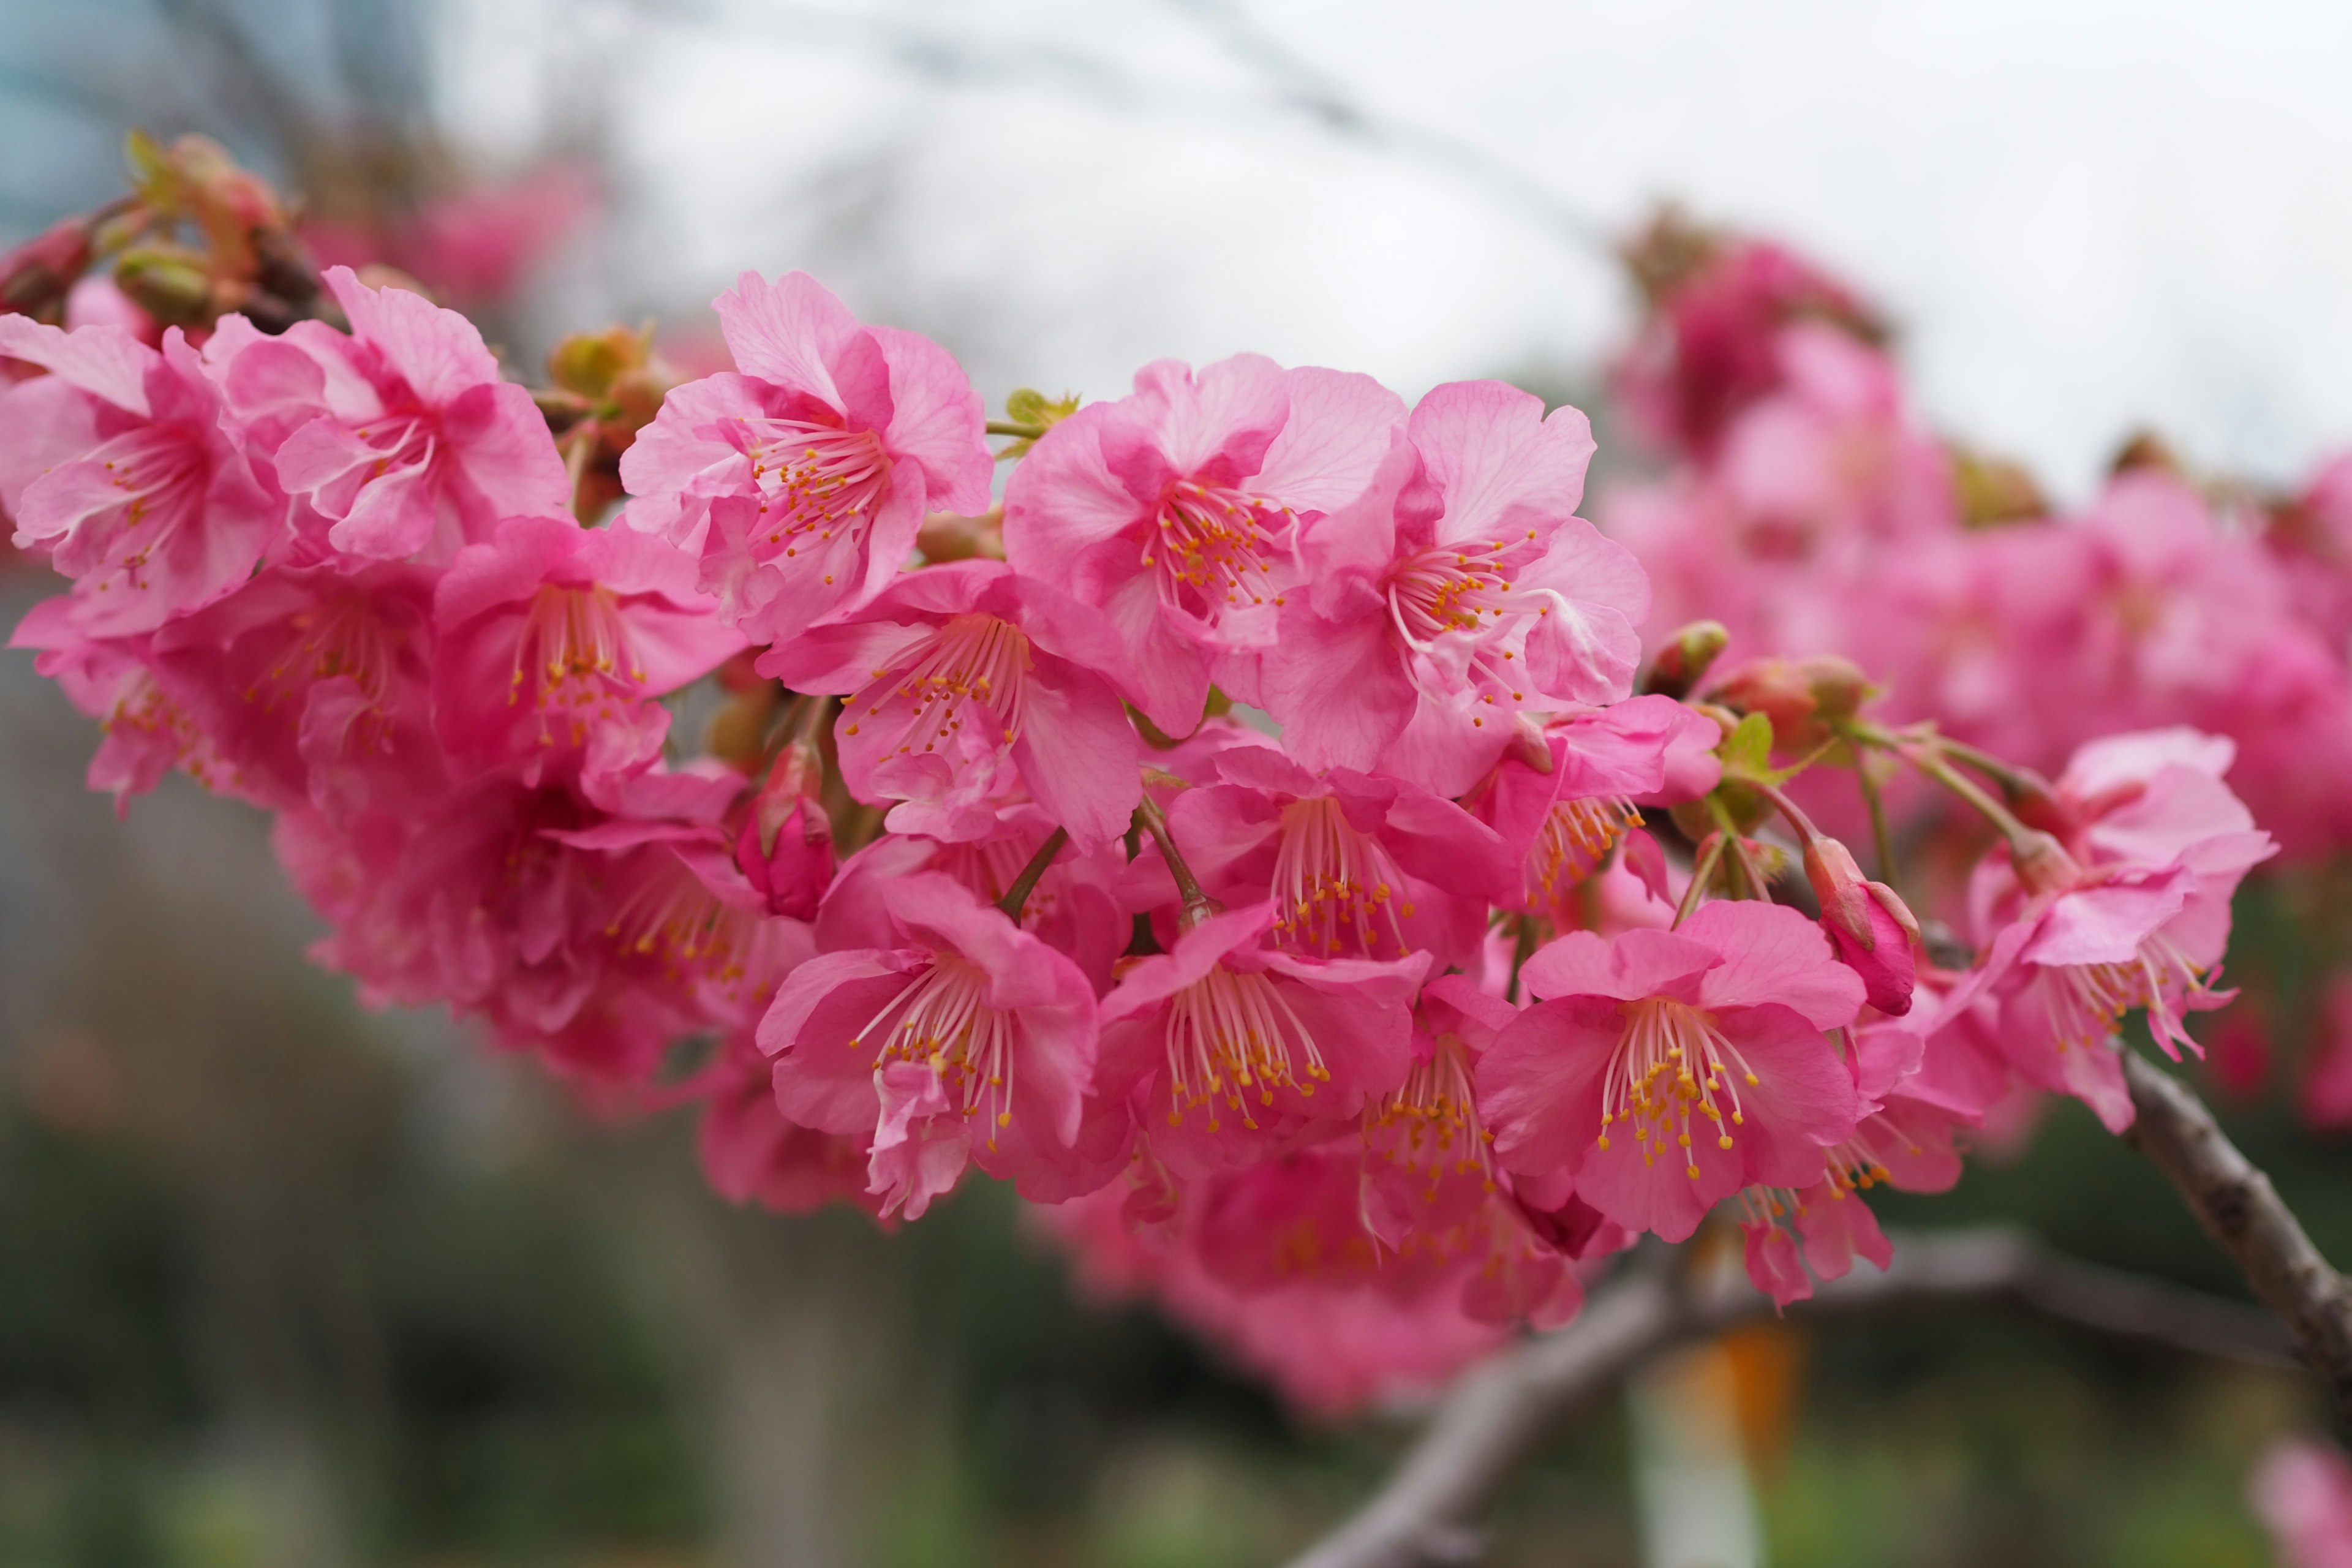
[{"x": 2086, "y": 216}]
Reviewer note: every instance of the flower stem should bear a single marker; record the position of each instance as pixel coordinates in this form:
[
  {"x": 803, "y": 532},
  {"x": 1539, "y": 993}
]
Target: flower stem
[
  {"x": 1016, "y": 898},
  {"x": 1882, "y": 838},
  {"x": 1015, "y": 427},
  {"x": 1702, "y": 871},
  {"x": 1925, "y": 756},
  {"x": 1198, "y": 905},
  {"x": 1748, "y": 868}
]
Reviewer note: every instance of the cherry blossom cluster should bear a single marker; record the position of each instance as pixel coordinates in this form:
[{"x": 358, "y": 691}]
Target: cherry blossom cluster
[{"x": 1255, "y": 834}]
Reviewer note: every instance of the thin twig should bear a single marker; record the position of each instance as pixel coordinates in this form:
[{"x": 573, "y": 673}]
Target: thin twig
[{"x": 1429, "y": 1513}]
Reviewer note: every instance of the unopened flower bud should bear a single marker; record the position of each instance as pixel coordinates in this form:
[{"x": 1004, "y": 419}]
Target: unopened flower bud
[
  {"x": 948, "y": 536},
  {"x": 170, "y": 282},
  {"x": 1802, "y": 697},
  {"x": 36, "y": 277},
  {"x": 785, "y": 847},
  {"x": 588, "y": 363},
  {"x": 1873, "y": 930},
  {"x": 1682, "y": 663}
]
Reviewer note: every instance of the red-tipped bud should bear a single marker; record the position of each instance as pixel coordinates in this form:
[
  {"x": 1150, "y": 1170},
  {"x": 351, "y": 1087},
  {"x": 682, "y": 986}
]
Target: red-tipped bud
[
  {"x": 786, "y": 844},
  {"x": 1682, "y": 663},
  {"x": 36, "y": 275},
  {"x": 1868, "y": 923},
  {"x": 1802, "y": 697}
]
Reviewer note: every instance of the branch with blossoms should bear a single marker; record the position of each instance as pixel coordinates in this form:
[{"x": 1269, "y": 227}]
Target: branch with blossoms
[{"x": 1254, "y": 835}]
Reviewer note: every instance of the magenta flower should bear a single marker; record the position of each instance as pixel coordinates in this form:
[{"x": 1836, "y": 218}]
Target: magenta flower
[
  {"x": 414, "y": 447},
  {"x": 554, "y": 639},
  {"x": 1663, "y": 1071},
  {"x": 1357, "y": 866},
  {"x": 1177, "y": 512},
  {"x": 1459, "y": 591},
  {"x": 123, "y": 469},
  {"x": 800, "y": 482},
  {"x": 969, "y": 1039},
  {"x": 1250, "y": 1050},
  {"x": 963, "y": 679}
]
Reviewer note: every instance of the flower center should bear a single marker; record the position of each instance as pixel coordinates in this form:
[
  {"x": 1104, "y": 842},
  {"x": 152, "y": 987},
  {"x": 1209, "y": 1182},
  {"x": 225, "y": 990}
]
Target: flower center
[
  {"x": 1575, "y": 838},
  {"x": 1463, "y": 594},
  {"x": 1673, "y": 1063},
  {"x": 573, "y": 653},
  {"x": 1213, "y": 546},
  {"x": 2087, "y": 1001},
  {"x": 672, "y": 919},
  {"x": 1230, "y": 1035},
  {"x": 944, "y": 1021},
  {"x": 1432, "y": 1124},
  {"x": 813, "y": 480},
  {"x": 160, "y": 474},
  {"x": 973, "y": 658},
  {"x": 1335, "y": 886}
]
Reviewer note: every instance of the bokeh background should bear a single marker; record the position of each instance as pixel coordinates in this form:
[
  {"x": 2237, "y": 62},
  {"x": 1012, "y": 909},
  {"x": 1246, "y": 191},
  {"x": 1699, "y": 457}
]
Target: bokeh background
[{"x": 286, "y": 1283}]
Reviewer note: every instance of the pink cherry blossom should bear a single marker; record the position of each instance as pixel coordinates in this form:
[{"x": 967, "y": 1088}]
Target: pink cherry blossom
[
  {"x": 553, "y": 640},
  {"x": 1233, "y": 1050},
  {"x": 1357, "y": 866},
  {"x": 1459, "y": 591},
  {"x": 413, "y": 446},
  {"x": 1563, "y": 822},
  {"x": 123, "y": 469},
  {"x": 1177, "y": 510},
  {"x": 962, "y": 678},
  {"x": 971, "y": 1040},
  {"x": 1662, "y": 1071},
  {"x": 800, "y": 480},
  {"x": 147, "y": 731}
]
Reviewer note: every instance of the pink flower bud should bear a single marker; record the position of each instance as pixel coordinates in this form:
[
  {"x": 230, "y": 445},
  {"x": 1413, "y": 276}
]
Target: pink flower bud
[
  {"x": 786, "y": 846},
  {"x": 35, "y": 277},
  {"x": 1868, "y": 923}
]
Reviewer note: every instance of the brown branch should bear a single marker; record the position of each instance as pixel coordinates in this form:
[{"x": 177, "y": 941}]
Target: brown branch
[
  {"x": 1428, "y": 1514},
  {"x": 2241, "y": 1210}
]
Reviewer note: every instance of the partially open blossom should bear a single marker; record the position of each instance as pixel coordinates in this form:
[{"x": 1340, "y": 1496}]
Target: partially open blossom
[
  {"x": 413, "y": 446},
  {"x": 972, "y": 1039},
  {"x": 1460, "y": 590},
  {"x": 122, "y": 469},
  {"x": 1563, "y": 821},
  {"x": 1177, "y": 510},
  {"x": 960, "y": 677},
  {"x": 1662, "y": 1071},
  {"x": 800, "y": 480}
]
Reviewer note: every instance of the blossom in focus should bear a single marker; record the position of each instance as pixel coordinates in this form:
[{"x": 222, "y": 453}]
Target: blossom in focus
[
  {"x": 800, "y": 480},
  {"x": 971, "y": 1040},
  {"x": 1662, "y": 1071},
  {"x": 1232, "y": 1050},
  {"x": 961, "y": 679},
  {"x": 1459, "y": 591},
  {"x": 1177, "y": 512}
]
